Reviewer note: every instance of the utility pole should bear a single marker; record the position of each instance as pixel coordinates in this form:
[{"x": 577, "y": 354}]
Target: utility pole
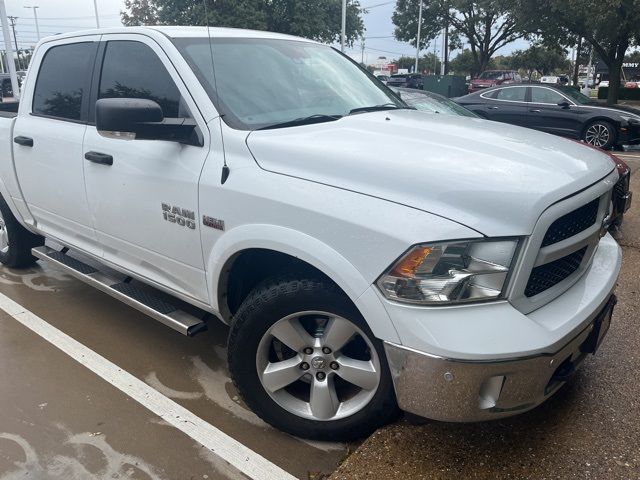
[
  {"x": 418, "y": 37},
  {"x": 343, "y": 33},
  {"x": 7, "y": 45},
  {"x": 35, "y": 16},
  {"x": 362, "y": 49},
  {"x": 13, "y": 27},
  {"x": 95, "y": 7}
]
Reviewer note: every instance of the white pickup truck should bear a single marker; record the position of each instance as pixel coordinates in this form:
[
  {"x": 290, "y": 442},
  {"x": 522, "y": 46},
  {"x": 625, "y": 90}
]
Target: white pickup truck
[{"x": 365, "y": 255}]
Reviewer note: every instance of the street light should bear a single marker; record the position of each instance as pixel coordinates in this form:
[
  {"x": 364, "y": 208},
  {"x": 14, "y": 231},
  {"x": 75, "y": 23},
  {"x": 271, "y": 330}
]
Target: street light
[
  {"x": 418, "y": 37},
  {"x": 95, "y": 7},
  {"x": 35, "y": 15}
]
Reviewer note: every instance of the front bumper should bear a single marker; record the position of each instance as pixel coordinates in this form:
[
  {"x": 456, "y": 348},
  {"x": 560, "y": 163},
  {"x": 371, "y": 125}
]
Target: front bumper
[
  {"x": 468, "y": 391},
  {"x": 479, "y": 380}
]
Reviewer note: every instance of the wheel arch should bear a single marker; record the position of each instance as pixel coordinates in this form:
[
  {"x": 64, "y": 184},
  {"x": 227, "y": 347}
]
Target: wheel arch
[{"x": 272, "y": 246}]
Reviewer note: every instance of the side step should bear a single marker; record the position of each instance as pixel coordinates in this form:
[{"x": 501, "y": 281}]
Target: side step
[{"x": 134, "y": 296}]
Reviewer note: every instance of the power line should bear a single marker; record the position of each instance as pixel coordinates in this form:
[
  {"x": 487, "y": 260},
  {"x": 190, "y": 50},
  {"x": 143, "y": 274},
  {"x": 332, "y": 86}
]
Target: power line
[{"x": 377, "y": 5}]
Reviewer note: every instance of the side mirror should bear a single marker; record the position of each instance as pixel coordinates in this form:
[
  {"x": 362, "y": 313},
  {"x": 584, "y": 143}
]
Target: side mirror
[
  {"x": 142, "y": 119},
  {"x": 564, "y": 104}
]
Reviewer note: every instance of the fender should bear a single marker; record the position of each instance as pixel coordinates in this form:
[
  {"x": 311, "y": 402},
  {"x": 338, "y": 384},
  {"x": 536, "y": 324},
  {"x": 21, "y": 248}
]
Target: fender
[{"x": 306, "y": 248}]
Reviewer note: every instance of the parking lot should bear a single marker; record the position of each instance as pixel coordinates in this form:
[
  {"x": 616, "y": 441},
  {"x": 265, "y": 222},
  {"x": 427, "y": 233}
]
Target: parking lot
[{"x": 86, "y": 382}]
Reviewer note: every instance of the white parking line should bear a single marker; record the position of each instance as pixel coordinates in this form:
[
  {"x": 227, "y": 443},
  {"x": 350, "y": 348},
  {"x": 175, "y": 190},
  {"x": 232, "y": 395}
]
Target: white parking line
[{"x": 242, "y": 458}]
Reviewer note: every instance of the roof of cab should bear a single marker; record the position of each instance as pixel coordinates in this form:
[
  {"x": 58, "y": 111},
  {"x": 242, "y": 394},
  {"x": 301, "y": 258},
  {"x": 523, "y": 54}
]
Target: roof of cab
[{"x": 183, "y": 32}]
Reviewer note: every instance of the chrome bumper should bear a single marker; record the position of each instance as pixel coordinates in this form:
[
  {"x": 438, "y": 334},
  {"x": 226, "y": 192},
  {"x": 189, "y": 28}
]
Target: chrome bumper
[{"x": 466, "y": 391}]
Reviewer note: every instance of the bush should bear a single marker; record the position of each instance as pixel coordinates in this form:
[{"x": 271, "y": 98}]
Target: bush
[{"x": 623, "y": 93}]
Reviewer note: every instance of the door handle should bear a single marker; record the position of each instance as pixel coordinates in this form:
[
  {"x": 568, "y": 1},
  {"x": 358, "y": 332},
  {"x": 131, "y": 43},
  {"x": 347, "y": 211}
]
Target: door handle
[
  {"x": 492, "y": 108},
  {"x": 97, "y": 157},
  {"x": 24, "y": 141},
  {"x": 536, "y": 110}
]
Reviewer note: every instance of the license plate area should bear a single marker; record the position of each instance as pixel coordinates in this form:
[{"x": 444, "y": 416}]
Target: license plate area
[{"x": 600, "y": 327}]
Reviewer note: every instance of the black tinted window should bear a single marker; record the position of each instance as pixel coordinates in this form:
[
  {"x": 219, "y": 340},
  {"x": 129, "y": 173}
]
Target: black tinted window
[
  {"x": 132, "y": 70},
  {"x": 61, "y": 80},
  {"x": 513, "y": 94}
]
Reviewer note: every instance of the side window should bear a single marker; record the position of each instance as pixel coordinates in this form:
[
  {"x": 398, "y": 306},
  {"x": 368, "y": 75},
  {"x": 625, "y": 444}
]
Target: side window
[
  {"x": 513, "y": 94},
  {"x": 132, "y": 70},
  {"x": 545, "y": 95},
  {"x": 62, "y": 78}
]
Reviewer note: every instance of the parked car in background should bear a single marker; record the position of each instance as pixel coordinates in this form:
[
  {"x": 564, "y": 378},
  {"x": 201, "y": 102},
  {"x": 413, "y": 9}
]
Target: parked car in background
[
  {"x": 550, "y": 79},
  {"x": 383, "y": 78},
  {"x": 430, "y": 102},
  {"x": 491, "y": 78},
  {"x": 558, "y": 110},
  {"x": 406, "y": 80}
]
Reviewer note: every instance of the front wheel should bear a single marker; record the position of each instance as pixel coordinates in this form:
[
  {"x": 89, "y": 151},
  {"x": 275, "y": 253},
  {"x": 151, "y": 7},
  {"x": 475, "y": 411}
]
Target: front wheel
[
  {"x": 304, "y": 360},
  {"x": 600, "y": 134}
]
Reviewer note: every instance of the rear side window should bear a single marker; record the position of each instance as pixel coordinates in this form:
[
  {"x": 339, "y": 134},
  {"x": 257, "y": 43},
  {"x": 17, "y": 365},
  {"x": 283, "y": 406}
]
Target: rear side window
[
  {"x": 513, "y": 94},
  {"x": 63, "y": 79},
  {"x": 132, "y": 70}
]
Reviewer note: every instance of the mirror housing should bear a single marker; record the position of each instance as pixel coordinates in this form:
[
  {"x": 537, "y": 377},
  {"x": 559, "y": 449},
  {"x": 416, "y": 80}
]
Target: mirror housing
[
  {"x": 142, "y": 119},
  {"x": 564, "y": 104}
]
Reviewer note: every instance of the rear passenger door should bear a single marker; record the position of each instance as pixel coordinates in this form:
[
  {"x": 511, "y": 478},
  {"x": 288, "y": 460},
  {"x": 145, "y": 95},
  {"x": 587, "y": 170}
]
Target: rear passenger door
[
  {"x": 145, "y": 203},
  {"x": 507, "y": 104},
  {"x": 48, "y": 137}
]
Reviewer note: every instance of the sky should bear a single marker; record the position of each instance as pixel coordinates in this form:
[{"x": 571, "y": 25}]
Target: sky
[{"x": 59, "y": 16}]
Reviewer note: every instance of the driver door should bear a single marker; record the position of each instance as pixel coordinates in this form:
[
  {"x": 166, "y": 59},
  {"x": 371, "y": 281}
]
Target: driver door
[{"x": 144, "y": 200}]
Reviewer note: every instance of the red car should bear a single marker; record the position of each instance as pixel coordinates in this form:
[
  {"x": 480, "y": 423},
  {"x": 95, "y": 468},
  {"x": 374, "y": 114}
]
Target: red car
[{"x": 491, "y": 78}]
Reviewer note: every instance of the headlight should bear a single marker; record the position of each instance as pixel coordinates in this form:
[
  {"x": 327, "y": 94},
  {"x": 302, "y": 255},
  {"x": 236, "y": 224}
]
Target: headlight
[{"x": 451, "y": 272}]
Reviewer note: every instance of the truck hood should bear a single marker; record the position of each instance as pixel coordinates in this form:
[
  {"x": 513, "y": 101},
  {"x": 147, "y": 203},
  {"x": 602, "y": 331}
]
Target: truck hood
[{"x": 492, "y": 177}]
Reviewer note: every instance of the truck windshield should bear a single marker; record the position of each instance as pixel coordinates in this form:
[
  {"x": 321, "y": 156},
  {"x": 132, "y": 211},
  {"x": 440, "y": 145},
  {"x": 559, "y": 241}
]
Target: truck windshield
[{"x": 276, "y": 83}]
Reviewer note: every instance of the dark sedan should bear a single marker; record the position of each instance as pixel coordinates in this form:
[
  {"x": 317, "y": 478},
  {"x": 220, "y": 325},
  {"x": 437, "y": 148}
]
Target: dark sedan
[{"x": 558, "y": 110}]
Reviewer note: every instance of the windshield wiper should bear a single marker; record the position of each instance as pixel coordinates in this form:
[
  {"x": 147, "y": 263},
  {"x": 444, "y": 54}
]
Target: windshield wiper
[
  {"x": 317, "y": 118},
  {"x": 377, "y": 108}
]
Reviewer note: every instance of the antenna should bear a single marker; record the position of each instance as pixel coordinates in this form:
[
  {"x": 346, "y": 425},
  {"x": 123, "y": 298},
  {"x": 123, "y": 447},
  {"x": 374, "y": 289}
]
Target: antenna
[{"x": 225, "y": 167}]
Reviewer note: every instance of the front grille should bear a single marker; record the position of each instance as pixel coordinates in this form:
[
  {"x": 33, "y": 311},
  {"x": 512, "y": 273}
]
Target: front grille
[
  {"x": 572, "y": 223},
  {"x": 546, "y": 276}
]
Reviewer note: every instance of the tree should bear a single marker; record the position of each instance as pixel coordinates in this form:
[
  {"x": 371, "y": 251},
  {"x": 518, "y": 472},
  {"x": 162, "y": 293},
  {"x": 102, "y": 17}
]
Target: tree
[
  {"x": 488, "y": 25},
  {"x": 139, "y": 12},
  {"x": 610, "y": 26},
  {"x": 540, "y": 59},
  {"x": 316, "y": 19},
  {"x": 463, "y": 63},
  {"x": 429, "y": 62}
]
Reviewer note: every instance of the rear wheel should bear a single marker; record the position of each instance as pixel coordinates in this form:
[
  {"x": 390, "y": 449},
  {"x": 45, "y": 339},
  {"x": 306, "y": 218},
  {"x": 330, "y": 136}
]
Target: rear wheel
[
  {"x": 600, "y": 134},
  {"x": 304, "y": 360},
  {"x": 16, "y": 242}
]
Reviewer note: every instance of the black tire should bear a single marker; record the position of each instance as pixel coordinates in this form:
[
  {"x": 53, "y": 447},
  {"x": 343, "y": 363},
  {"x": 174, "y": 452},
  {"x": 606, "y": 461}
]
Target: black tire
[
  {"x": 276, "y": 299},
  {"x": 601, "y": 134},
  {"x": 21, "y": 241}
]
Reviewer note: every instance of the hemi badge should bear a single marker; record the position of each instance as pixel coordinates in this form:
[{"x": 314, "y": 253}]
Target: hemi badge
[{"x": 213, "y": 222}]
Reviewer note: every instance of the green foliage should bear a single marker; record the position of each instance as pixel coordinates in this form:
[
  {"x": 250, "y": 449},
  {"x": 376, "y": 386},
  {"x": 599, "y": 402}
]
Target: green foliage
[
  {"x": 316, "y": 19},
  {"x": 426, "y": 63},
  {"x": 463, "y": 63},
  {"x": 487, "y": 25},
  {"x": 610, "y": 26},
  {"x": 540, "y": 59}
]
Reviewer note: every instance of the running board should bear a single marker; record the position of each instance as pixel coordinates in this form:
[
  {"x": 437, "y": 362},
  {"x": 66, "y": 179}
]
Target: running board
[{"x": 135, "y": 297}]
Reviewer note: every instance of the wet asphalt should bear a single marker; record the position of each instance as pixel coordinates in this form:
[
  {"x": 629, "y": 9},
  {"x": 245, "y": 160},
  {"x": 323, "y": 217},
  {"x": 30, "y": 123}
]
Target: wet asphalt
[
  {"x": 60, "y": 421},
  {"x": 589, "y": 430}
]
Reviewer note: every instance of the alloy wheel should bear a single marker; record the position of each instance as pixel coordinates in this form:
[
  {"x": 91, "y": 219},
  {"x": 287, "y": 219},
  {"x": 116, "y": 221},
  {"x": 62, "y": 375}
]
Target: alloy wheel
[
  {"x": 597, "y": 135},
  {"x": 317, "y": 365}
]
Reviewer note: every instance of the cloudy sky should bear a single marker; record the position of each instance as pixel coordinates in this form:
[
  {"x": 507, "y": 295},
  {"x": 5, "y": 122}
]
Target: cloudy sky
[{"x": 57, "y": 16}]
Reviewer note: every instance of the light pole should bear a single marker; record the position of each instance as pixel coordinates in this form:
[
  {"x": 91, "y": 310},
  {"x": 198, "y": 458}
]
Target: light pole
[
  {"x": 418, "y": 37},
  {"x": 35, "y": 16},
  {"x": 95, "y": 7},
  {"x": 7, "y": 45},
  {"x": 343, "y": 33}
]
